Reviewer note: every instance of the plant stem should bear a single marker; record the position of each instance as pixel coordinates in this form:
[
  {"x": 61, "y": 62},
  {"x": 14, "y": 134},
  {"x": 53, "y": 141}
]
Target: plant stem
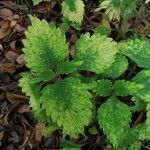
[{"x": 122, "y": 29}]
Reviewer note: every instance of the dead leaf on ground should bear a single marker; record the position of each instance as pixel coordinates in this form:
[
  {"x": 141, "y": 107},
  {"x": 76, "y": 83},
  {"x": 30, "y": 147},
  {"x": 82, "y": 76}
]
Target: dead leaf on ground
[
  {"x": 39, "y": 131},
  {"x": 73, "y": 38},
  {"x": 7, "y": 4},
  {"x": 1, "y": 47},
  {"x": 2, "y": 96},
  {"x": 16, "y": 98},
  {"x": 13, "y": 137},
  {"x": 7, "y": 68},
  {"x": 44, "y": 10},
  {"x": 29, "y": 133},
  {"x": 15, "y": 16},
  {"x": 94, "y": 20},
  {"x": 1, "y": 135},
  {"x": 6, "y": 14},
  {"x": 23, "y": 108},
  {"x": 13, "y": 23},
  {"x": 13, "y": 45},
  {"x": 72, "y": 50},
  {"x": 6, "y": 119},
  {"x": 11, "y": 56},
  {"x": 108, "y": 147},
  {"x": 5, "y": 29},
  {"x": 20, "y": 60},
  {"x": 19, "y": 28}
]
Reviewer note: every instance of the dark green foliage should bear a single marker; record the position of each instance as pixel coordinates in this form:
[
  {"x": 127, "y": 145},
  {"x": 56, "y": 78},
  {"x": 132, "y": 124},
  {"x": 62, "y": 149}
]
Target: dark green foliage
[
  {"x": 104, "y": 87},
  {"x": 114, "y": 118}
]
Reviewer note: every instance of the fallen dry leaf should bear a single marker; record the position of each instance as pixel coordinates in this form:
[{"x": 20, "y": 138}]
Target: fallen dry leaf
[
  {"x": 1, "y": 47},
  {"x": 2, "y": 96},
  {"x": 5, "y": 29},
  {"x": 6, "y": 14},
  {"x": 143, "y": 30},
  {"x": 19, "y": 28},
  {"x": 7, "y": 68},
  {"x": 95, "y": 19},
  {"x": 16, "y": 98},
  {"x": 72, "y": 50},
  {"x": 73, "y": 38},
  {"x": 16, "y": 16},
  {"x": 108, "y": 147},
  {"x": 20, "y": 60},
  {"x": 11, "y": 56},
  {"x": 6, "y": 119},
  {"x": 39, "y": 131},
  {"x": 1, "y": 135},
  {"x": 43, "y": 10},
  {"x": 23, "y": 109},
  {"x": 13, "y": 45},
  {"x": 28, "y": 134},
  {"x": 13, "y": 23}
]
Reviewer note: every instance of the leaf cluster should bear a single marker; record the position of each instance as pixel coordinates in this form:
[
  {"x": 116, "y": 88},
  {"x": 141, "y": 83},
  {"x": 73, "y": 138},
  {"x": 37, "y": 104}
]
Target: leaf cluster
[{"x": 63, "y": 98}]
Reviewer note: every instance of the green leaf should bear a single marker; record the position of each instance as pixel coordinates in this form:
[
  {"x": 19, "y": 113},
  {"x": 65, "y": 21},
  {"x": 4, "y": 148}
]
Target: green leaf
[
  {"x": 97, "y": 52},
  {"x": 102, "y": 30},
  {"x": 70, "y": 145},
  {"x": 144, "y": 128},
  {"x": 49, "y": 129},
  {"x": 68, "y": 67},
  {"x": 145, "y": 131},
  {"x": 114, "y": 118},
  {"x": 64, "y": 25},
  {"x": 138, "y": 87},
  {"x": 117, "y": 68},
  {"x": 139, "y": 104},
  {"x": 135, "y": 146},
  {"x": 35, "y": 2},
  {"x": 93, "y": 130},
  {"x": 125, "y": 88},
  {"x": 73, "y": 10},
  {"x": 104, "y": 87},
  {"x": 45, "y": 76},
  {"x": 30, "y": 86},
  {"x": 143, "y": 79},
  {"x": 68, "y": 104},
  {"x": 44, "y": 47},
  {"x": 138, "y": 50}
]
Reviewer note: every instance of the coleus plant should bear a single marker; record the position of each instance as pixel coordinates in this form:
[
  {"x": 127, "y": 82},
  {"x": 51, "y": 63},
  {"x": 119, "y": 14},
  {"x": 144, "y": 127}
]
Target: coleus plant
[
  {"x": 119, "y": 9},
  {"x": 63, "y": 98}
]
